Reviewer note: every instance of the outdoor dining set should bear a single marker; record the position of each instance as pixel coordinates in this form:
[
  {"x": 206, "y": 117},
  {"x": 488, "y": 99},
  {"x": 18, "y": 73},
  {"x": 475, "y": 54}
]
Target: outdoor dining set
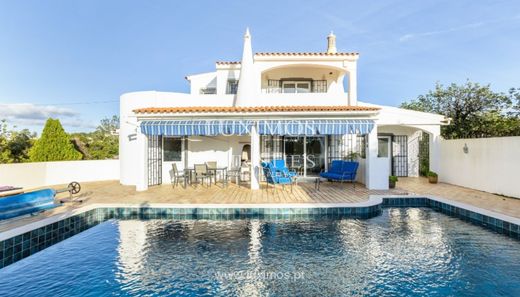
[
  {"x": 274, "y": 172},
  {"x": 207, "y": 173}
]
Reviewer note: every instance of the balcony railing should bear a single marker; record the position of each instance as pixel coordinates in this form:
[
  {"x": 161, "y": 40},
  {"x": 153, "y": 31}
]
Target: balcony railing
[{"x": 278, "y": 86}]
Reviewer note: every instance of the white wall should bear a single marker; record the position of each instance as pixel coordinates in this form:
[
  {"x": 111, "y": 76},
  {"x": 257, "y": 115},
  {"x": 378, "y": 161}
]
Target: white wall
[
  {"x": 490, "y": 165},
  {"x": 41, "y": 174}
]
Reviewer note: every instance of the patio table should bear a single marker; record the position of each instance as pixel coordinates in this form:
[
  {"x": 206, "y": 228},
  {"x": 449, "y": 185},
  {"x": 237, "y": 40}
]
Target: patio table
[
  {"x": 315, "y": 179},
  {"x": 219, "y": 169},
  {"x": 190, "y": 171}
]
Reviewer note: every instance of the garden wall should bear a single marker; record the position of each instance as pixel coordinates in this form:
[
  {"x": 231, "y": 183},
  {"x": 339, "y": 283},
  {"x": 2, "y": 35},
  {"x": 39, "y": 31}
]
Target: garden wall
[
  {"x": 41, "y": 174},
  {"x": 488, "y": 164}
]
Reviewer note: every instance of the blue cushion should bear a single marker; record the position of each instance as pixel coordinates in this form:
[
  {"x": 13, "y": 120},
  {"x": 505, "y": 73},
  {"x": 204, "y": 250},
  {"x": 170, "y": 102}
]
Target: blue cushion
[
  {"x": 325, "y": 175},
  {"x": 284, "y": 180},
  {"x": 351, "y": 168},
  {"x": 279, "y": 163},
  {"x": 336, "y": 166}
]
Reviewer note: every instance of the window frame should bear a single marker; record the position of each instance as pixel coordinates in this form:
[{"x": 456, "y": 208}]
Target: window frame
[
  {"x": 165, "y": 159},
  {"x": 232, "y": 86},
  {"x": 296, "y": 83}
]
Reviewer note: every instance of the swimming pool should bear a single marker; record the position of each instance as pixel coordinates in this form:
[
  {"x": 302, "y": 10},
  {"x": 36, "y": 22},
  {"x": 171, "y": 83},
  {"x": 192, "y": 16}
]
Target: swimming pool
[{"x": 405, "y": 251}]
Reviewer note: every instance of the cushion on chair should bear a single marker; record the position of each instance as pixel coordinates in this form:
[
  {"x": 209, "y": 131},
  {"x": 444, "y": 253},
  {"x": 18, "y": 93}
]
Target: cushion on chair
[
  {"x": 341, "y": 170},
  {"x": 283, "y": 180},
  {"x": 351, "y": 168},
  {"x": 336, "y": 166},
  {"x": 279, "y": 163}
]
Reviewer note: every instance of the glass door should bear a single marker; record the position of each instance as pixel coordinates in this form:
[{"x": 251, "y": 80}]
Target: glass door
[
  {"x": 305, "y": 154},
  {"x": 314, "y": 155},
  {"x": 294, "y": 153}
]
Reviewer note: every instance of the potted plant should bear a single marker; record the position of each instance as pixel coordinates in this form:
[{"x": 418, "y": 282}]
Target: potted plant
[
  {"x": 392, "y": 179},
  {"x": 432, "y": 177},
  {"x": 352, "y": 156}
]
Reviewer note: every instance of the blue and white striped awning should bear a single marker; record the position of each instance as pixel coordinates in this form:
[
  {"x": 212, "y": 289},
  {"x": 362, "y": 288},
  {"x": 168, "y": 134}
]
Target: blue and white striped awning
[
  {"x": 196, "y": 127},
  {"x": 265, "y": 127},
  {"x": 314, "y": 127}
]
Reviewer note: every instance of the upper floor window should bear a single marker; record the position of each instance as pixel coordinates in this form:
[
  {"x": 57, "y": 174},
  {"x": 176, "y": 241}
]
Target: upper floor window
[
  {"x": 296, "y": 87},
  {"x": 208, "y": 91},
  {"x": 232, "y": 86}
]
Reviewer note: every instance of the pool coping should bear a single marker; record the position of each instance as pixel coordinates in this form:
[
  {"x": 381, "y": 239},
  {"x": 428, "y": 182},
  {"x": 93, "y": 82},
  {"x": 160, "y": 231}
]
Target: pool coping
[{"x": 374, "y": 200}]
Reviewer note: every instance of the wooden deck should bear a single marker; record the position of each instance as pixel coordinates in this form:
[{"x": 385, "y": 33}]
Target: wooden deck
[{"x": 110, "y": 192}]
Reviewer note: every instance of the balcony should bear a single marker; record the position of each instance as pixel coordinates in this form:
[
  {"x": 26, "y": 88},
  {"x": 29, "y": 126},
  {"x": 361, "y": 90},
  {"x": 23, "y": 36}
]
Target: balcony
[{"x": 295, "y": 86}]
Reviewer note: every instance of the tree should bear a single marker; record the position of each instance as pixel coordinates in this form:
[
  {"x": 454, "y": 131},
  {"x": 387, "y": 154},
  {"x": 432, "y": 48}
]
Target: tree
[
  {"x": 100, "y": 144},
  {"x": 5, "y": 154},
  {"x": 475, "y": 110},
  {"x": 14, "y": 145},
  {"x": 19, "y": 145},
  {"x": 53, "y": 145},
  {"x": 109, "y": 126}
]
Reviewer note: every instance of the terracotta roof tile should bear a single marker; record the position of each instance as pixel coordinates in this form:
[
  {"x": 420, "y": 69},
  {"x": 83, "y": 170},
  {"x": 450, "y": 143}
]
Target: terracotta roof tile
[
  {"x": 306, "y": 54},
  {"x": 231, "y": 109},
  {"x": 228, "y": 62},
  {"x": 290, "y": 54}
]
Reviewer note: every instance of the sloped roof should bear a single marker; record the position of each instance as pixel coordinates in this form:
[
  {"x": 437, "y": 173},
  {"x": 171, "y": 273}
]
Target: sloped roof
[{"x": 237, "y": 109}]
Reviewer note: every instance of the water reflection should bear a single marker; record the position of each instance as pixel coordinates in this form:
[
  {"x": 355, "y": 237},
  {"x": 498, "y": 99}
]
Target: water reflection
[{"x": 403, "y": 252}]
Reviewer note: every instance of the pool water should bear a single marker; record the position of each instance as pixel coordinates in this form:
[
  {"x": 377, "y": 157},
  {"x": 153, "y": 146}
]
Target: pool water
[{"x": 403, "y": 252}]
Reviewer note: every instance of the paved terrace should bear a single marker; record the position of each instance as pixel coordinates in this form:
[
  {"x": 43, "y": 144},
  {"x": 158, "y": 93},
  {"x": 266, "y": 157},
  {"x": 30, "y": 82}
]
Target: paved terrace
[{"x": 113, "y": 192}]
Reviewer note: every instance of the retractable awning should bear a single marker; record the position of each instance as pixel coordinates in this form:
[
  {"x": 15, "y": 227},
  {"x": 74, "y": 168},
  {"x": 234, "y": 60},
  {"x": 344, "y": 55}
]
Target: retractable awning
[
  {"x": 195, "y": 127},
  {"x": 265, "y": 127},
  {"x": 315, "y": 127}
]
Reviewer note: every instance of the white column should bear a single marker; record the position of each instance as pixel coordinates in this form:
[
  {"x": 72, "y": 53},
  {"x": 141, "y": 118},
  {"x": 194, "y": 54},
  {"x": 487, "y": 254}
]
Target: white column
[
  {"x": 376, "y": 169},
  {"x": 141, "y": 163},
  {"x": 255, "y": 159},
  {"x": 434, "y": 148}
]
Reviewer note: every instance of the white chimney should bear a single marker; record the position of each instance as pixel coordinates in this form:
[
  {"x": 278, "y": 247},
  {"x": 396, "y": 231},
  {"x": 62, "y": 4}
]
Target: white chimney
[{"x": 331, "y": 43}]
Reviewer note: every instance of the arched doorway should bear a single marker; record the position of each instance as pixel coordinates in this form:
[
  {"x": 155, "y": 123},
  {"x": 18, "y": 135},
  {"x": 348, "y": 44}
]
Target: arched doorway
[{"x": 246, "y": 153}]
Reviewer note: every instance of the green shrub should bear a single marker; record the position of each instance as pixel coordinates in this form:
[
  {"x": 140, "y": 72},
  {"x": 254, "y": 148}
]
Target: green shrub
[
  {"x": 392, "y": 178},
  {"x": 432, "y": 174},
  {"x": 53, "y": 145}
]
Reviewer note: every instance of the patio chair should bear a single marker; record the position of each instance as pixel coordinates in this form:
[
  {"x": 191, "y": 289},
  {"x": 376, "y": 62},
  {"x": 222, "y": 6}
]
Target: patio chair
[
  {"x": 279, "y": 165},
  {"x": 275, "y": 177},
  {"x": 212, "y": 165},
  {"x": 177, "y": 176},
  {"x": 202, "y": 173},
  {"x": 235, "y": 173},
  {"x": 341, "y": 171}
]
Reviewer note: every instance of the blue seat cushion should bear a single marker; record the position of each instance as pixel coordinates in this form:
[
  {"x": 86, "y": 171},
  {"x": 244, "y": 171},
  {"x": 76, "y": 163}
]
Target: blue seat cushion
[
  {"x": 283, "y": 180},
  {"x": 336, "y": 166}
]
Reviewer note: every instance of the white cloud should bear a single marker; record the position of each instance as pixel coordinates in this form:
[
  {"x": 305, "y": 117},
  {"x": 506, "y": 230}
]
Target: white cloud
[
  {"x": 31, "y": 115},
  {"x": 28, "y": 111},
  {"x": 409, "y": 36}
]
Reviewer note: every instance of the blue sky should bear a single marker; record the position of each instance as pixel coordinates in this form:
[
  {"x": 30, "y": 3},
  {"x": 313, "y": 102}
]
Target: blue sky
[{"x": 73, "y": 59}]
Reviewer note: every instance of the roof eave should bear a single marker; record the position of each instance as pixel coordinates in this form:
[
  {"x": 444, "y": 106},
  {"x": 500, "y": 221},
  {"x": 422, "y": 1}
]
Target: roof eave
[{"x": 307, "y": 114}]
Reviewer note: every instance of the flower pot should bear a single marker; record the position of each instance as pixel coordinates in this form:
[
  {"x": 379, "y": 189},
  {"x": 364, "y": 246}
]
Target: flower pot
[
  {"x": 391, "y": 184},
  {"x": 432, "y": 179}
]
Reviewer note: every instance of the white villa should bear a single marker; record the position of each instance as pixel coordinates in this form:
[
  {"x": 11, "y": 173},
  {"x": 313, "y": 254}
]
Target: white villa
[{"x": 253, "y": 110}]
